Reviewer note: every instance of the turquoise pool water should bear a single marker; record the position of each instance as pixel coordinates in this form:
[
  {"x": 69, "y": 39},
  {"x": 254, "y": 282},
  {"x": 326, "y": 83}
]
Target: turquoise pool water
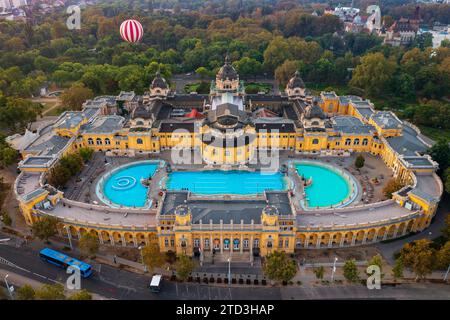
[
  {"x": 225, "y": 182},
  {"x": 328, "y": 187},
  {"x": 124, "y": 186}
]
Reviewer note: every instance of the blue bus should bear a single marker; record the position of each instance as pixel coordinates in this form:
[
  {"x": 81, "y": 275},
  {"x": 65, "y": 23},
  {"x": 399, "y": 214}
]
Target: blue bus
[{"x": 63, "y": 261}]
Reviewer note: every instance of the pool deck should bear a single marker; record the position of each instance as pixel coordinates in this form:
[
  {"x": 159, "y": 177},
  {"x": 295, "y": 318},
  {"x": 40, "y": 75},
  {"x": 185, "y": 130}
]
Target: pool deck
[{"x": 371, "y": 209}]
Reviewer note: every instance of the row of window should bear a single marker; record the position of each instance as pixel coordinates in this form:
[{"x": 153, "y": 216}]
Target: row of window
[
  {"x": 107, "y": 141},
  {"x": 348, "y": 142},
  {"x": 227, "y": 243}
]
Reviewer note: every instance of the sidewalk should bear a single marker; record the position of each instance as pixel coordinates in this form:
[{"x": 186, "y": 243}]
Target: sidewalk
[{"x": 18, "y": 281}]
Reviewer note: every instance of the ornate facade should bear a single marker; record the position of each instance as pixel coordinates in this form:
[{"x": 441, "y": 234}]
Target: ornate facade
[{"x": 228, "y": 128}]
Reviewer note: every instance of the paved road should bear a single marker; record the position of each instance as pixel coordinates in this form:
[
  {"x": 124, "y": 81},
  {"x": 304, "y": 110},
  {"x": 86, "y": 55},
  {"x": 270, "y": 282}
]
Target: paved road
[{"x": 113, "y": 283}]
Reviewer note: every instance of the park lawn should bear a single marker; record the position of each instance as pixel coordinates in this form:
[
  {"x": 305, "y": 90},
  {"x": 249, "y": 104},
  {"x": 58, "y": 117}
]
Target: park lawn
[
  {"x": 199, "y": 87},
  {"x": 57, "y": 111}
]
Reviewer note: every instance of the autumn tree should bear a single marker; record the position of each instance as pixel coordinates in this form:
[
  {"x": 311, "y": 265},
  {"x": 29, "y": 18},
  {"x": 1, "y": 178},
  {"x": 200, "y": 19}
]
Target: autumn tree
[
  {"x": 76, "y": 95},
  {"x": 279, "y": 267},
  {"x": 152, "y": 256},
  {"x": 286, "y": 71},
  {"x": 26, "y": 292},
  {"x": 45, "y": 227},
  {"x": 81, "y": 295},
  {"x": 88, "y": 244},
  {"x": 373, "y": 74},
  {"x": 376, "y": 260},
  {"x": 51, "y": 292},
  {"x": 443, "y": 256},
  {"x": 184, "y": 266},
  {"x": 419, "y": 257},
  {"x": 392, "y": 186},
  {"x": 397, "y": 270}
]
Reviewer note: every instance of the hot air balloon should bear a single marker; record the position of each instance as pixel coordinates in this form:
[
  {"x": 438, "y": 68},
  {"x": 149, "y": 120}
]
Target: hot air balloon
[{"x": 131, "y": 31}]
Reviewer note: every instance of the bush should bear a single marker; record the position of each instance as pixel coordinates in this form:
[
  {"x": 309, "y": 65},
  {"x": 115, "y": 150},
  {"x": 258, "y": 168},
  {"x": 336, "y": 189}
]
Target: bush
[
  {"x": 6, "y": 219},
  {"x": 26, "y": 293}
]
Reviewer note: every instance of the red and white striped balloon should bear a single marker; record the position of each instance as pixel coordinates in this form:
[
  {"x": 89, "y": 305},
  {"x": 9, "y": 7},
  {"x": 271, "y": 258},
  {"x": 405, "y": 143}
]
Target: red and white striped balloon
[{"x": 131, "y": 31}]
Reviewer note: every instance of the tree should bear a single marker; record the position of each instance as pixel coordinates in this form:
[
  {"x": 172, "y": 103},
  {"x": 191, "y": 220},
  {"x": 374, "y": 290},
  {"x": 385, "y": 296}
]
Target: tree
[
  {"x": 184, "y": 266},
  {"x": 81, "y": 295},
  {"x": 377, "y": 260},
  {"x": 397, "y": 271},
  {"x": 276, "y": 53},
  {"x": 279, "y": 267},
  {"x": 248, "y": 67},
  {"x": 26, "y": 293},
  {"x": 440, "y": 152},
  {"x": 446, "y": 230},
  {"x": 8, "y": 156},
  {"x": 419, "y": 256},
  {"x": 202, "y": 72},
  {"x": 152, "y": 256},
  {"x": 5, "y": 218},
  {"x": 359, "y": 161},
  {"x": 351, "y": 272},
  {"x": 443, "y": 256},
  {"x": 88, "y": 244},
  {"x": 45, "y": 227},
  {"x": 373, "y": 74},
  {"x": 286, "y": 71},
  {"x": 51, "y": 292},
  {"x": 319, "y": 272},
  {"x": 76, "y": 95},
  {"x": 86, "y": 154},
  {"x": 392, "y": 186}
]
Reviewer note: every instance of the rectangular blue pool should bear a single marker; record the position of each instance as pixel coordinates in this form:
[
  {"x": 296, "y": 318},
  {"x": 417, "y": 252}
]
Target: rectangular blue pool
[{"x": 226, "y": 182}]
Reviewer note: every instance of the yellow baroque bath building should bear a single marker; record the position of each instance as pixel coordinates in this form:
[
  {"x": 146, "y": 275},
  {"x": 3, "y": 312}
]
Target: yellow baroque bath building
[{"x": 229, "y": 130}]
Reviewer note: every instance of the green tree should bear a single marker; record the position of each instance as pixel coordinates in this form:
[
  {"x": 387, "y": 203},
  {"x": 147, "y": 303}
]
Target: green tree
[
  {"x": 45, "y": 227},
  {"x": 202, "y": 72},
  {"x": 279, "y": 267},
  {"x": 26, "y": 293},
  {"x": 76, "y": 95},
  {"x": 446, "y": 230},
  {"x": 81, "y": 295},
  {"x": 373, "y": 74},
  {"x": 51, "y": 292},
  {"x": 276, "y": 53},
  {"x": 152, "y": 256},
  {"x": 359, "y": 161},
  {"x": 440, "y": 152},
  {"x": 88, "y": 244},
  {"x": 319, "y": 272},
  {"x": 351, "y": 272},
  {"x": 419, "y": 256},
  {"x": 286, "y": 71},
  {"x": 248, "y": 67},
  {"x": 184, "y": 266},
  {"x": 86, "y": 154},
  {"x": 8, "y": 156},
  {"x": 397, "y": 270}
]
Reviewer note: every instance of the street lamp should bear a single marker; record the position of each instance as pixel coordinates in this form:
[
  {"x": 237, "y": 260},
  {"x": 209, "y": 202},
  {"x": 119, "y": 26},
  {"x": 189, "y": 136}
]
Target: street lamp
[
  {"x": 69, "y": 236},
  {"x": 142, "y": 258},
  {"x": 229, "y": 270},
  {"x": 446, "y": 274},
  {"x": 334, "y": 269},
  {"x": 10, "y": 289}
]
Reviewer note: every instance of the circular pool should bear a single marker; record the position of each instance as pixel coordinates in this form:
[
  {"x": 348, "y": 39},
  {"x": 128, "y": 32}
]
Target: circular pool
[
  {"x": 329, "y": 186},
  {"x": 122, "y": 186}
]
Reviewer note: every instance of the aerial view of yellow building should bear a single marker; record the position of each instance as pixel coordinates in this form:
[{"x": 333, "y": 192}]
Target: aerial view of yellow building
[{"x": 231, "y": 173}]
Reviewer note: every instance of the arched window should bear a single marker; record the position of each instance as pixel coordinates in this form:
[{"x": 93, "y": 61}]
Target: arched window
[
  {"x": 348, "y": 142},
  {"x": 356, "y": 142},
  {"x": 90, "y": 141},
  {"x": 107, "y": 141},
  {"x": 315, "y": 141},
  {"x": 315, "y": 123},
  {"x": 365, "y": 142},
  {"x": 139, "y": 123},
  {"x": 99, "y": 141},
  {"x": 139, "y": 141}
]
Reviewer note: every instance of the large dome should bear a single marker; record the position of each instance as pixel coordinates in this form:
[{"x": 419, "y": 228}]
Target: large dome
[
  {"x": 227, "y": 71},
  {"x": 159, "y": 82},
  {"x": 314, "y": 111},
  {"x": 296, "y": 81}
]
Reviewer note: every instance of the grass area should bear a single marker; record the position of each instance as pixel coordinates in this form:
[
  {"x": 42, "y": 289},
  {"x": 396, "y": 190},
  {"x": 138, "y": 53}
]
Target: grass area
[
  {"x": 339, "y": 89},
  {"x": 255, "y": 87}
]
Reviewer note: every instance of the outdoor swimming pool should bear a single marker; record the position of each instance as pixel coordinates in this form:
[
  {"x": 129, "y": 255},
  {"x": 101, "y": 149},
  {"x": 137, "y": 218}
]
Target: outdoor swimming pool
[
  {"x": 124, "y": 188},
  {"x": 226, "y": 182},
  {"x": 328, "y": 188}
]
